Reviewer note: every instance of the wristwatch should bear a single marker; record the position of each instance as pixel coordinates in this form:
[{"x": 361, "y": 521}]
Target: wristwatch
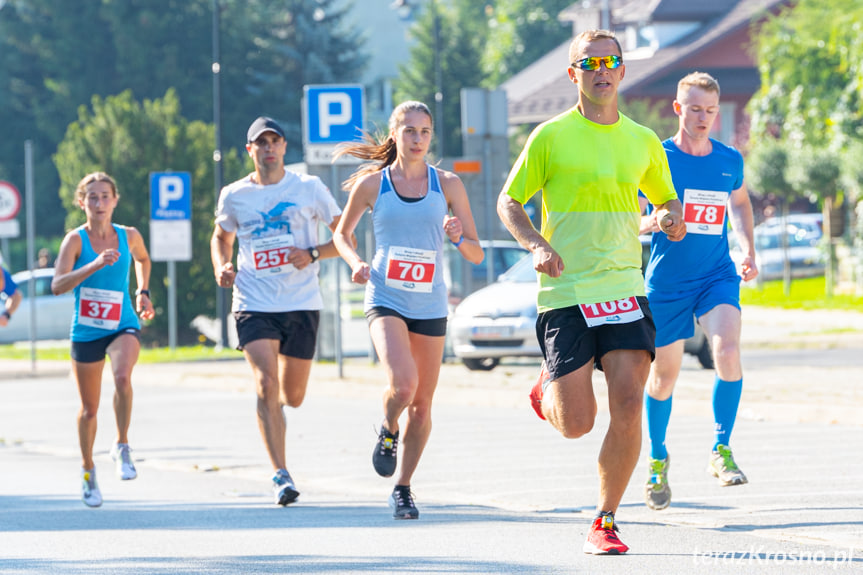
[
  {"x": 315, "y": 253},
  {"x": 145, "y": 292}
]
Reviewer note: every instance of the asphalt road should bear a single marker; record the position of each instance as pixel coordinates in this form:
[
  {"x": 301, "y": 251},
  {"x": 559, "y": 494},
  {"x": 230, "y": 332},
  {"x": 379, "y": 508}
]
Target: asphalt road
[{"x": 499, "y": 491}]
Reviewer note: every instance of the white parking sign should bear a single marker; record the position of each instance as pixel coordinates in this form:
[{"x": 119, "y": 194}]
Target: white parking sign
[{"x": 170, "y": 216}]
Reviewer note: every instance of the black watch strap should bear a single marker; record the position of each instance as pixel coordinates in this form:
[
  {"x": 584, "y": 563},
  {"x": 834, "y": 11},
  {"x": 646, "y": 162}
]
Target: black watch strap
[
  {"x": 145, "y": 292},
  {"x": 315, "y": 253}
]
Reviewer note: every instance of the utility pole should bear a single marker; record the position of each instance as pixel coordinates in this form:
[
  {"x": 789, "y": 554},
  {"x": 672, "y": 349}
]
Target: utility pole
[{"x": 221, "y": 293}]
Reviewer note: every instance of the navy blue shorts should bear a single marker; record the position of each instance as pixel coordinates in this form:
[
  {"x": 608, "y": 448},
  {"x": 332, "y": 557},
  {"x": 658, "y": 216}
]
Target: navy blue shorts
[
  {"x": 435, "y": 327},
  {"x": 568, "y": 343},
  {"x": 296, "y": 331},
  {"x": 673, "y": 312},
  {"x": 96, "y": 350}
]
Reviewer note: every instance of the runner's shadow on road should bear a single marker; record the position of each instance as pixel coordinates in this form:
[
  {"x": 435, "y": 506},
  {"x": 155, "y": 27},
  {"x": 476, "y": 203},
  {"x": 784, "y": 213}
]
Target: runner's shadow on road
[
  {"x": 41, "y": 513},
  {"x": 287, "y": 563}
]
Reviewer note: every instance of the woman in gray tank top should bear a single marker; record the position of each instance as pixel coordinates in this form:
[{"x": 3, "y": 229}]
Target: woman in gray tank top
[{"x": 406, "y": 298}]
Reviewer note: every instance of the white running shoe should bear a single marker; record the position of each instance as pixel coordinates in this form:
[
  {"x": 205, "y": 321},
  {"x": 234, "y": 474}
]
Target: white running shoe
[
  {"x": 121, "y": 453},
  {"x": 723, "y": 467},
  {"x": 284, "y": 489},
  {"x": 90, "y": 493}
]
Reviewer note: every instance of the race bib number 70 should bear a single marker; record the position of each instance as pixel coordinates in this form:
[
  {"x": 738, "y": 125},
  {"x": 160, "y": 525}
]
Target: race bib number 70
[
  {"x": 410, "y": 269},
  {"x": 611, "y": 312}
]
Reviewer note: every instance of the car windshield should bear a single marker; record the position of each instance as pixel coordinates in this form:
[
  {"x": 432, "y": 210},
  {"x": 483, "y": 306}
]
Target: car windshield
[
  {"x": 797, "y": 237},
  {"x": 521, "y": 272}
]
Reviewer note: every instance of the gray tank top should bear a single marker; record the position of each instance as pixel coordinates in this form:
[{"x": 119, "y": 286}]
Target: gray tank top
[{"x": 407, "y": 268}]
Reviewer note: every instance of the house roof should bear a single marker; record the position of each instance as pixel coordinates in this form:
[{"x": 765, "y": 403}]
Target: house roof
[{"x": 543, "y": 89}]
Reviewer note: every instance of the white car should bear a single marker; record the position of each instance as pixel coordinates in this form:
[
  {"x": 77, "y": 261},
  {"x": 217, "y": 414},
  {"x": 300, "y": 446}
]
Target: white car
[
  {"x": 53, "y": 312},
  {"x": 804, "y": 256},
  {"x": 499, "y": 320}
]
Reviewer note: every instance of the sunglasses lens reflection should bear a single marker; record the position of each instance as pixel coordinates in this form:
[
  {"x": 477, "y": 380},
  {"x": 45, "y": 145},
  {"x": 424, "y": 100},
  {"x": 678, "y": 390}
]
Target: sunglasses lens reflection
[{"x": 593, "y": 63}]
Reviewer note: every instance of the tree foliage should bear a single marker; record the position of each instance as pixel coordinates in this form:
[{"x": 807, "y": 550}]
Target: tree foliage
[
  {"x": 440, "y": 40},
  {"x": 55, "y": 55},
  {"x": 521, "y": 32},
  {"x": 811, "y": 65},
  {"x": 128, "y": 140}
]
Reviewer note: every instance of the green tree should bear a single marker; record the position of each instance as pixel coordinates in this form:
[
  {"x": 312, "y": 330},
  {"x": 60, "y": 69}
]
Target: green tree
[
  {"x": 811, "y": 63},
  {"x": 55, "y": 55},
  {"x": 128, "y": 140},
  {"x": 441, "y": 40},
  {"x": 520, "y": 33}
]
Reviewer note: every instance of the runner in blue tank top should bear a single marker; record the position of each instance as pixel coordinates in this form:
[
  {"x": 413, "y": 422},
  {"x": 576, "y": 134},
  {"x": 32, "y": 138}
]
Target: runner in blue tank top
[
  {"x": 94, "y": 260},
  {"x": 406, "y": 298},
  {"x": 697, "y": 278}
]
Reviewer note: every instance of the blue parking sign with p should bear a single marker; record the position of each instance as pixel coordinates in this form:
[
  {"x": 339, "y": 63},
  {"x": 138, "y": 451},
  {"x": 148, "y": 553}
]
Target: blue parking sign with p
[
  {"x": 334, "y": 113},
  {"x": 170, "y": 196}
]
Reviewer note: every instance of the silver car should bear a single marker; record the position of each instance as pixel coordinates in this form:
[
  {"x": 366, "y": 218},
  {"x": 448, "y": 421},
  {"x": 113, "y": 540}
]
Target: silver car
[
  {"x": 53, "y": 312},
  {"x": 500, "y": 321}
]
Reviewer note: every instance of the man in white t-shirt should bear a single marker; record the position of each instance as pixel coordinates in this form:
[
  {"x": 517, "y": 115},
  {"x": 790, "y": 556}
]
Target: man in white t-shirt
[{"x": 275, "y": 214}]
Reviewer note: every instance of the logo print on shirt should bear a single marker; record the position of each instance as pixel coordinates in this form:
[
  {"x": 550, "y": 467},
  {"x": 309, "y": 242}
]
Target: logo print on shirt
[{"x": 274, "y": 219}]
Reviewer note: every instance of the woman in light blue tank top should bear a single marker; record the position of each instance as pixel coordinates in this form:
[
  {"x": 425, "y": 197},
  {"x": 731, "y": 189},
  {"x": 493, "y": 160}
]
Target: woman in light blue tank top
[
  {"x": 94, "y": 261},
  {"x": 406, "y": 298}
]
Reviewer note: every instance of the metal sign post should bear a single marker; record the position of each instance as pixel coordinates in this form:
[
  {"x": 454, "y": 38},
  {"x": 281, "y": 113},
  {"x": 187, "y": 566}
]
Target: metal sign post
[
  {"x": 171, "y": 232},
  {"x": 332, "y": 114}
]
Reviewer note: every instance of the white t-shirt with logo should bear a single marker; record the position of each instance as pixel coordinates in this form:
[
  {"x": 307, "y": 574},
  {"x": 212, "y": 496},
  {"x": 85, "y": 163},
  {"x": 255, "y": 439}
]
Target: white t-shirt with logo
[{"x": 268, "y": 221}]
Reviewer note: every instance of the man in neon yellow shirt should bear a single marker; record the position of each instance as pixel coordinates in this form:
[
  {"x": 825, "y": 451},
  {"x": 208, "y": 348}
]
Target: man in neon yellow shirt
[{"x": 590, "y": 163}]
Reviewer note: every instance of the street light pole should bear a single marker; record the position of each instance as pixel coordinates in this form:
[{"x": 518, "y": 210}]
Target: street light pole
[
  {"x": 221, "y": 299},
  {"x": 438, "y": 82}
]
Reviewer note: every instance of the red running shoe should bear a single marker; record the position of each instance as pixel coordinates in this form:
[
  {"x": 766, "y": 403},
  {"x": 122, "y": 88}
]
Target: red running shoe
[
  {"x": 536, "y": 391},
  {"x": 602, "y": 538}
]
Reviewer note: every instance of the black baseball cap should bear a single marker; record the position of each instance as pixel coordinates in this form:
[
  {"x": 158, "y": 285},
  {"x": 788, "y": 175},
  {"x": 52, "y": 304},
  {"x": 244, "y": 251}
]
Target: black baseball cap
[{"x": 261, "y": 125}]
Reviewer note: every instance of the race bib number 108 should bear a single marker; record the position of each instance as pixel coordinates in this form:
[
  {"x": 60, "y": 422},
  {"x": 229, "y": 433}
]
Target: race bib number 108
[{"x": 611, "y": 312}]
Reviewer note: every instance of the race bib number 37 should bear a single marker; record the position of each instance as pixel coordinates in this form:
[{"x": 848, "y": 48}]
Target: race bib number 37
[
  {"x": 612, "y": 312},
  {"x": 271, "y": 255},
  {"x": 410, "y": 269},
  {"x": 704, "y": 211},
  {"x": 100, "y": 308}
]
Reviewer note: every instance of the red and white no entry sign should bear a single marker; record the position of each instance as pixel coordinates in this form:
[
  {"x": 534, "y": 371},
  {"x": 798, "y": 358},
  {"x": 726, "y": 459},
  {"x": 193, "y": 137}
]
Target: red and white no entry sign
[{"x": 10, "y": 201}]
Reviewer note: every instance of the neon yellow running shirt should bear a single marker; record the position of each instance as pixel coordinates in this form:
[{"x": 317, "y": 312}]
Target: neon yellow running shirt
[{"x": 589, "y": 175}]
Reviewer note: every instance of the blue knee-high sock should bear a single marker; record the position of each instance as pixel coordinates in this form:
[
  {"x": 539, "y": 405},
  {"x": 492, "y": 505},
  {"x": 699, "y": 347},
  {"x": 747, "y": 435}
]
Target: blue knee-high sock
[
  {"x": 726, "y": 398},
  {"x": 658, "y": 414}
]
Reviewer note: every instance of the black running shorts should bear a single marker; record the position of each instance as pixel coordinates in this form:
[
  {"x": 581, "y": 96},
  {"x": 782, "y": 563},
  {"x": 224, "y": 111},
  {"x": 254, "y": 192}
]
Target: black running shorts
[
  {"x": 95, "y": 350},
  {"x": 432, "y": 327},
  {"x": 296, "y": 331},
  {"x": 568, "y": 343}
]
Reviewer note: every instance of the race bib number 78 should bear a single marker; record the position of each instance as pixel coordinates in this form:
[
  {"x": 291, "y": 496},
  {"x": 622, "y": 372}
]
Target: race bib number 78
[{"x": 704, "y": 211}]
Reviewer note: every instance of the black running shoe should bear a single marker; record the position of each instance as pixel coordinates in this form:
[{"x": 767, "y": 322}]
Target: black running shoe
[
  {"x": 402, "y": 503},
  {"x": 384, "y": 457}
]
